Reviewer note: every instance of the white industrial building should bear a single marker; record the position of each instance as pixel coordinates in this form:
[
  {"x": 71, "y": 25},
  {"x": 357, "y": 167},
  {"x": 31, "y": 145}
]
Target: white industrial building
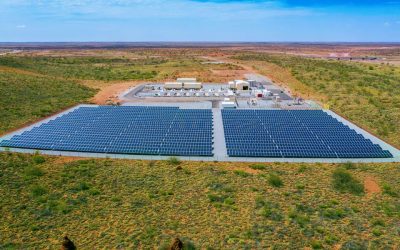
[
  {"x": 184, "y": 83},
  {"x": 239, "y": 85}
]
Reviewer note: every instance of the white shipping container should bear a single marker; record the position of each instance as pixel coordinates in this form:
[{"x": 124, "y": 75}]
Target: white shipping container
[
  {"x": 184, "y": 80},
  {"x": 172, "y": 85},
  {"x": 192, "y": 85}
]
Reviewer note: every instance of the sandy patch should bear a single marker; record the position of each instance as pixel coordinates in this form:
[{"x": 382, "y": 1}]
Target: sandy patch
[
  {"x": 110, "y": 94},
  {"x": 371, "y": 186},
  {"x": 242, "y": 168},
  {"x": 66, "y": 159}
]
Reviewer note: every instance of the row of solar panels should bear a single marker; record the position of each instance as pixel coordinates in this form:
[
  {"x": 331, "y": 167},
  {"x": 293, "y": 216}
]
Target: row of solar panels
[
  {"x": 293, "y": 134},
  {"x": 173, "y": 131},
  {"x": 128, "y": 130}
]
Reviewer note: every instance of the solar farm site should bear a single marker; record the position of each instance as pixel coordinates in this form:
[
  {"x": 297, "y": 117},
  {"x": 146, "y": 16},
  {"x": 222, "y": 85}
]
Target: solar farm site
[{"x": 156, "y": 132}]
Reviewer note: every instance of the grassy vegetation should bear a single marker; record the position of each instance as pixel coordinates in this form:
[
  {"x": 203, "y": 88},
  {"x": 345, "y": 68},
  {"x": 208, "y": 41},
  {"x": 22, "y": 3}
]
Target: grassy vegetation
[
  {"x": 343, "y": 181},
  {"x": 25, "y": 98},
  {"x": 146, "y": 204},
  {"x": 114, "y": 68},
  {"x": 368, "y": 95},
  {"x": 87, "y": 68}
]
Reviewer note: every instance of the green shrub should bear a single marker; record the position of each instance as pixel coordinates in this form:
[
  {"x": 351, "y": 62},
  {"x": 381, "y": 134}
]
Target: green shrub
[
  {"x": 268, "y": 209},
  {"x": 258, "y": 166},
  {"x": 215, "y": 198},
  {"x": 301, "y": 219},
  {"x": 38, "y": 191},
  {"x": 241, "y": 173},
  {"x": 390, "y": 208},
  {"x": 274, "y": 180},
  {"x": 82, "y": 186},
  {"x": 378, "y": 222},
  {"x": 94, "y": 191},
  {"x": 33, "y": 171},
  {"x": 349, "y": 166},
  {"x": 315, "y": 244},
  {"x": 355, "y": 245},
  {"x": 173, "y": 160},
  {"x": 387, "y": 189},
  {"x": 300, "y": 186},
  {"x": 302, "y": 168},
  {"x": 377, "y": 231},
  {"x": 343, "y": 181},
  {"x": 331, "y": 239},
  {"x": 38, "y": 159},
  {"x": 334, "y": 213}
]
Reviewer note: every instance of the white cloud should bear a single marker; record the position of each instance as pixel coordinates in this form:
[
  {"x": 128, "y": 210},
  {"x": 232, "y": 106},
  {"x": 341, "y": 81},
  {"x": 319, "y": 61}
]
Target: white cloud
[
  {"x": 387, "y": 24},
  {"x": 21, "y": 26}
]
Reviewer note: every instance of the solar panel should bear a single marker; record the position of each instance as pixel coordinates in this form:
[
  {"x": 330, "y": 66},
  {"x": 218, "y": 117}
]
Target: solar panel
[
  {"x": 294, "y": 134},
  {"x": 124, "y": 130}
]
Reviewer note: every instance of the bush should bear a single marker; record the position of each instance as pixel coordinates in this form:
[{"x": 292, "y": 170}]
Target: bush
[
  {"x": 349, "y": 166},
  {"x": 301, "y": 219},
  {"x": 258, "y": 166},
  {"x": 173, "y": 160},
  {"x": 315, "y": 244},
  {"x": 274, "y": 180},
  {"x": 38, "y": 191},
  {"x": 302, "y": 169},
  {"x": 241, "y": 173},
  {"x": 82, "y": 186},
  {"x": 333, "y": 213},
  {"x": 38, "y": 159},
  {"x": 378, "y": 222},
  {"x": 344, "y": 182},
  {"x": 32, "y": 171},
  {"x": 387, "y": 189},
  {"x": 300, "y": 186},
  {"x": 268, "y": 209},
  {"x": 354, "y": 245}
]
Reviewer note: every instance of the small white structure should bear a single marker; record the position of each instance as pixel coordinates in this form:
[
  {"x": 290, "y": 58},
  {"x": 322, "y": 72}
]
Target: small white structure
[
  {"x": 192, "y": 85},
  {"x": 228, "y": 105},
  {"x": 173, "y": 85},
  {"x": 186, "y": 80},
  {"x": 239, "y": 85},
  {"x": 232, "y": 85}
]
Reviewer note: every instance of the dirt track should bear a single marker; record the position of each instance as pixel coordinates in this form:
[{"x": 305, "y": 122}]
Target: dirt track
[{"x": 111, "y": 92}]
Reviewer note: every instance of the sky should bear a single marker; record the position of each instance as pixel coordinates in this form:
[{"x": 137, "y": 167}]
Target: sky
[{"x": 199, "y": 21}]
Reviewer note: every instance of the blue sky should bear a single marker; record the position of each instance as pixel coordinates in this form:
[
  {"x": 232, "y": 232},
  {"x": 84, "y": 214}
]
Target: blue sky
[{"x": 200, "y": 20}]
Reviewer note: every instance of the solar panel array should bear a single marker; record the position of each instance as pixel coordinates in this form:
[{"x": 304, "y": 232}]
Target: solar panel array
[
  {"x": 124, "y": 129},
  {"x": 294, "y": 134}
]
